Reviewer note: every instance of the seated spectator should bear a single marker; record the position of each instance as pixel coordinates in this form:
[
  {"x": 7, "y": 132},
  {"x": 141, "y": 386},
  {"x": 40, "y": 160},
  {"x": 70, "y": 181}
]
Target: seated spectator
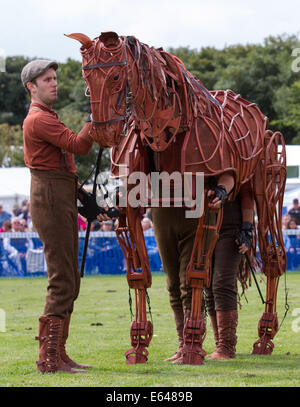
[
  {"x": 4, "y": 215},
  {"x": 6, "y": 227},
  {"x": 37, "y": 243},
  {"x": 81, "y": 223},
  {"x": 292, "y": 247},
  {"x": 107, "y": 226},
  {"x": 25, "y": 212},
  {"x": 23, "y": 225},
  {"x": 95, "y": 226},
  {"x": 18, "y": 247},
  {"x": 16, "y": 210},
  {"x": 294, "y": 212},
  {"x": 285, "y": 220}
]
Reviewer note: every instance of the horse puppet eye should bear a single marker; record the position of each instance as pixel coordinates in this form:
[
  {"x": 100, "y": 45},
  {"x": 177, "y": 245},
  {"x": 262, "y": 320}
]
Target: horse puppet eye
[{"x": 116, "y": 77}]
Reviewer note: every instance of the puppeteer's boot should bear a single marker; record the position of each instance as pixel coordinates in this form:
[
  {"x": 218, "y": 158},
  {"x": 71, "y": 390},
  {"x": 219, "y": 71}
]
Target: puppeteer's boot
[
  {"x": 214, "y": 326},
  {"x": 179, "y": 323},
  {"x": 50, "y": 334},
  {"x": 227, "y": 325},
  {"x": 63, "y": 354}
]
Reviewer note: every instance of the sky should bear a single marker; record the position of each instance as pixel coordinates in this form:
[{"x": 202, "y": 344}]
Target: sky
[{"x": 35, "y": 28}]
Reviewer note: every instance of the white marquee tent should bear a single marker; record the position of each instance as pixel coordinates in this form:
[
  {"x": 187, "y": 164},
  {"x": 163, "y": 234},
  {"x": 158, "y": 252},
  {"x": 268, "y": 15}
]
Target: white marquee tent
[{"x": 14, "y": 186}]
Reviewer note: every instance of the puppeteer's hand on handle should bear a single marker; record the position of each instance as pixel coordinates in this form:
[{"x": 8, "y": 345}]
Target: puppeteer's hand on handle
[
  {"x": 109, "y": 214},
  {"x": 91, "y": 210},
  {"x": 244, "y": 237},
  {"x": 217, "y": 196}
]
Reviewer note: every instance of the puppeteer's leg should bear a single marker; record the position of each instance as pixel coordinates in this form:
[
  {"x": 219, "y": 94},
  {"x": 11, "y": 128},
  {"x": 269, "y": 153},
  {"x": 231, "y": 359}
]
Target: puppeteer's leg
[
  {"x": 61, "y": 252},
  {"x": 175, "y": 236},
  {"x": 224, "y": 288}
]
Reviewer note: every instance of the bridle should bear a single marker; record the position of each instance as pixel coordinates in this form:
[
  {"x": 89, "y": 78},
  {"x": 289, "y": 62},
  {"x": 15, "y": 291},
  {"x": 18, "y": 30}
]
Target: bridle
[{"x": 128, "y": 94}]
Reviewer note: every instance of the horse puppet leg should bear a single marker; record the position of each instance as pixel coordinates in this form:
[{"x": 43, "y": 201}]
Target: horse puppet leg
[
  {"x": 269, "y": 198},
  {"x": 198, "y": 277},
  {"x": 132, "y": 242}
]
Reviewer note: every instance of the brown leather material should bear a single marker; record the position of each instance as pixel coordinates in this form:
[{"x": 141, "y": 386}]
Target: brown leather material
[
  {"x": 62, "y": 348},
  {"x": 50, "y": 334},
  {"x": 227, "y": 325}
]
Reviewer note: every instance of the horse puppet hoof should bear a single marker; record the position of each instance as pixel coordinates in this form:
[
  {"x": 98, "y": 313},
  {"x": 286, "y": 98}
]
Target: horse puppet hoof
[
  {"x": 263, "y": 347},
  {"x": 134, "y": 356},
  {"x": 193, "y": 356}
]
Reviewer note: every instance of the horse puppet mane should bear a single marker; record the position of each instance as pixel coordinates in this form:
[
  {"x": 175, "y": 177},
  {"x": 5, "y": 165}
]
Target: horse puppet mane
[
  {"x": 219, "y": 130},
  {"x": 168, "y": 98}
]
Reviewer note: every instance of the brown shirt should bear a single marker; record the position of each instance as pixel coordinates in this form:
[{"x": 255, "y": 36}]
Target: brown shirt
[{"x": 46, "y": 139}]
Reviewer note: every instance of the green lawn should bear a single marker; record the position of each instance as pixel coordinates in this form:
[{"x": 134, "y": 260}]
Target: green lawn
[{"x": 100, "y": 336}]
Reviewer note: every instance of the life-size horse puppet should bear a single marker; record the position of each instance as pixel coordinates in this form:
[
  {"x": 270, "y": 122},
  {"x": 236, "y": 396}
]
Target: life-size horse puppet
[{"x": 144, "y": 100}]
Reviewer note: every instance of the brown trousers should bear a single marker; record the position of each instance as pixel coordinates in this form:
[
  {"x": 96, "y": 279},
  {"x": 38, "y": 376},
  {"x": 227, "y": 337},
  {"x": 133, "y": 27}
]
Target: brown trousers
[
  {"x": 222, "y": 293},
  {"x": 53, "y": 206},
  {"x": 175, "y": 235}
]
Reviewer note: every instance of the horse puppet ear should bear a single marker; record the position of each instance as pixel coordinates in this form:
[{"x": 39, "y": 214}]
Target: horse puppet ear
[
  {"x": 82, "y": 38},
  {"x": 109, "y": 38}
]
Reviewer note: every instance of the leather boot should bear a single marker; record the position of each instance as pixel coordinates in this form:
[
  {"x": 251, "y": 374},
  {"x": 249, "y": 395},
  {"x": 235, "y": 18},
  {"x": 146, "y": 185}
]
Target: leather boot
[
  {"x": 214, "y": 326},
  {"x": 65, "y": 358},
  {"x": 179, "y": 323},
  {"x": 50, "y": 333},
  {"x": 227, "y": 325}
]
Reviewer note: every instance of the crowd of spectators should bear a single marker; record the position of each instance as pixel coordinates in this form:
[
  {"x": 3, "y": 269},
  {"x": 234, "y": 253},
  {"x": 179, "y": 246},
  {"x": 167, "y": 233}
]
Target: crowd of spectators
[
  {"x": 291, "y": 221},
  {"x": 19, "y": 220},
  {"x": 15, "y": 250}
]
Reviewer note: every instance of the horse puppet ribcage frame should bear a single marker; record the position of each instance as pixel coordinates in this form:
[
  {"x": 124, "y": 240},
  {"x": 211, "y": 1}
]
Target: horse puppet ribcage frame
[{"x": 144, "y": 101}]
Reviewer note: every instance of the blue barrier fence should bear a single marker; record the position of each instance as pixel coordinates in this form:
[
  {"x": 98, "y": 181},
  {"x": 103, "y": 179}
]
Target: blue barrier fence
[{"x": 21, "y": 254}]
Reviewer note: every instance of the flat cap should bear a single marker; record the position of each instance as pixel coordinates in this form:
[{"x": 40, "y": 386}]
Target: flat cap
[{"x": 36, "y": 68}]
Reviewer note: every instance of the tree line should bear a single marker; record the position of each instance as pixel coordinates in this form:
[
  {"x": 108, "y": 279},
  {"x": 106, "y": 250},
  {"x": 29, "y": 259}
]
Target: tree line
[{"x": 262, "y": 73}]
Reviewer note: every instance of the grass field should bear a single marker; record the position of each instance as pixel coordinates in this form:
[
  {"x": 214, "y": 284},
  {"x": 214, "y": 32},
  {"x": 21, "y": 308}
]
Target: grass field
[{"x": 100, "y": 336}]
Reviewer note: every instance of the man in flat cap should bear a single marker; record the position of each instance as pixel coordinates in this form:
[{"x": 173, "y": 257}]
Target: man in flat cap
[{"x": 49, "y": 148}]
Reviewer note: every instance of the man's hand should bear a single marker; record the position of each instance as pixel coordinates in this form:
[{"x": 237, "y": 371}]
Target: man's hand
[
  {"x": 104, "y": 216},
  {"x": 244, "y": 237},
  {"x": 90, "y": 209},
  {"x": 217, "y": 196}
]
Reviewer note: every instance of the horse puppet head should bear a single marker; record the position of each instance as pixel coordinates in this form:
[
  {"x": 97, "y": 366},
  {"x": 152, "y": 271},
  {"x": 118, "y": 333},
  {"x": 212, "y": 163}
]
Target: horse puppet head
[
  {"x": 105, "y": 70},
  {"x": 128, "y": 80}
]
